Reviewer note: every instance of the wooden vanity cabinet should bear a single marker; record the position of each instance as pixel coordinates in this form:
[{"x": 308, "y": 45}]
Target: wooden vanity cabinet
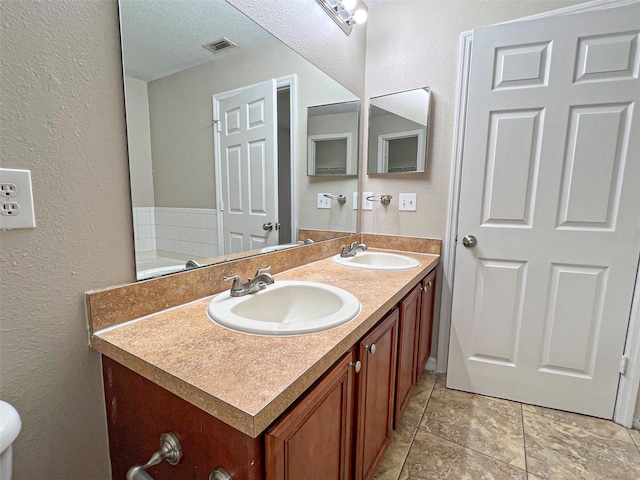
[
  {"x": 377, "y": 352},
  {"x": 339, "y": 429},
  {"x": 425, "y": 324},
  {"x": 314, "y": 438},
  {"x": 139, "y": 411},
  {"x": 408, "y": 334}
]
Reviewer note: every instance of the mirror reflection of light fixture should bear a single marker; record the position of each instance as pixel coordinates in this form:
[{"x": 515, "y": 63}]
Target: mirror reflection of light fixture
[{"x": 342, "y": 12}]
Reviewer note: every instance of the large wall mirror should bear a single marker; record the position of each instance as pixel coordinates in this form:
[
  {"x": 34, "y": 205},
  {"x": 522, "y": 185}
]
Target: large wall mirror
[
  {"x": 399, "y": 131},
  {"x": 217, "y": 132}
]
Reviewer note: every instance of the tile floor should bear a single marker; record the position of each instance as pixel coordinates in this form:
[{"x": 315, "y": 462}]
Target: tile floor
[{"x": 447, "y": 434}]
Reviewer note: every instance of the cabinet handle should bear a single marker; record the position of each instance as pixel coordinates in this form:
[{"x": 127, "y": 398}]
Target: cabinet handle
[
  {"x": 427, "y": 286},
  {"x": 371, "y": 348},
  {"x": 357, "y": 366}
]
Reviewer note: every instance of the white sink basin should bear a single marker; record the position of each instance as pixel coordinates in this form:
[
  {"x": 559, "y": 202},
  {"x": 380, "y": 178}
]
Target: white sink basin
[
  {"x": 285, "y": 308},
  {"x": 378, "y": 261}
]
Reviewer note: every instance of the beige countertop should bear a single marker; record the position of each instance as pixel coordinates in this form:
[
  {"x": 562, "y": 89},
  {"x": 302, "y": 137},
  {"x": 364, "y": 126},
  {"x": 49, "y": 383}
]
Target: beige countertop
[{"x": 245, "y": 380}]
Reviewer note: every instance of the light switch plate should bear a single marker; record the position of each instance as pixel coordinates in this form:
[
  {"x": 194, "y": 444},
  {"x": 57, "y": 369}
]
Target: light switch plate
[
  {"x": 367, "y": 204},
  {"x": 323, "y": 202},
  {"x": 16, "y": 202},
  {"x": 407, "y": 202}
]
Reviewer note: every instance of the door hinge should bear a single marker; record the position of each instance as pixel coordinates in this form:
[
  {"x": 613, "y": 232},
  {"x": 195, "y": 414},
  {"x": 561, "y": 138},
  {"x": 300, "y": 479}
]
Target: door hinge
[
  {"x": 623, "y": 364},
  {"x": 221, "y": 205},
  {"x": 217, "y": 125}
]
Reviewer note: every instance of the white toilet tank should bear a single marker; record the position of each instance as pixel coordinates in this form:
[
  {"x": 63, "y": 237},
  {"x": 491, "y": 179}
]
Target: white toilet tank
[{"x": 10, "y": 425}]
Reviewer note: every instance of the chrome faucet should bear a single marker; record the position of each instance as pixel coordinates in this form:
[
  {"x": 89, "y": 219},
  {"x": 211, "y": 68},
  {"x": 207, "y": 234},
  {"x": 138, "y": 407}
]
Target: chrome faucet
[
  {"x": 350, "y": 250},
  {"x": 253, "y": 285},
  {"x": 191, "y": 264}
]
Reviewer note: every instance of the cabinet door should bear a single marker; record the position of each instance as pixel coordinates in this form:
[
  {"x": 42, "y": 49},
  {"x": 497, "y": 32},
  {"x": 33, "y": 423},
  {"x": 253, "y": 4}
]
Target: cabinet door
[
  {"x": 425, "y": 322},
  {"x": 314, "y": 438},
  {"x": 407, "y": 351},
  {"x": 376, "y": 381}
]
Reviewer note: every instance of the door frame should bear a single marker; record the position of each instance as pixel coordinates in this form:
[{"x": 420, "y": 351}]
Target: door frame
[
  {"x": 290, "y": 82},
  {"x": 629, "y": 383}
]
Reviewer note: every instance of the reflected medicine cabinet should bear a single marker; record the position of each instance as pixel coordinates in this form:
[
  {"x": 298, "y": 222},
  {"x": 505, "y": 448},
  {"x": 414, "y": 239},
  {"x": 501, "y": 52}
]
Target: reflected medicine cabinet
[
  {"x": 332, "y": 139},
  {"x": 398, "y": 132}
]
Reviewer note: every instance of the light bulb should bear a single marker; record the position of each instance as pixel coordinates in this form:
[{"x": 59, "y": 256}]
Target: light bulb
[
  {"x": 349, "y": 4},
  {"x": 360, "y": 16}
]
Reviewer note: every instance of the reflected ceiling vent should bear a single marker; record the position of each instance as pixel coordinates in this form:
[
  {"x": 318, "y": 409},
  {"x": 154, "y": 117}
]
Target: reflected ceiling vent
[{"x": 219, "y": 45}]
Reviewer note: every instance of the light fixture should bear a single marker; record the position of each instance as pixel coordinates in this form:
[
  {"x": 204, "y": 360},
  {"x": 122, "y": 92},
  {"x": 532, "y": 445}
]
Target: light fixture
[{"x": 342, "y": 12}]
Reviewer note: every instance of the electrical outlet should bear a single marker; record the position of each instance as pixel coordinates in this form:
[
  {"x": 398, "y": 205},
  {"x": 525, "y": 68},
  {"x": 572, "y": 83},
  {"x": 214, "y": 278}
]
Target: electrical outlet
[
  {"x": 16, "y": 199},
  {"x": 9, "y": 208},
  {"x": 323, "y": 202},
  {"x": 355, "y": 200},
  {"x": 8, "y": 189},
  {"x": 367, "y": 204},
  {"x": 407, "y": 202}
]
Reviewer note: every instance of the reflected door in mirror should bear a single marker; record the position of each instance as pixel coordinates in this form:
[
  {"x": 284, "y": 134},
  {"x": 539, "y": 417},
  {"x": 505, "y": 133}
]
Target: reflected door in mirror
[{"x": 248, "y": 154}]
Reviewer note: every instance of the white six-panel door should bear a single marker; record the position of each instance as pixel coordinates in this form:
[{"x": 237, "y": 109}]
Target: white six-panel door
[
  {"x": 248, "y": 167},
  {"x": 551, "y": 191}
]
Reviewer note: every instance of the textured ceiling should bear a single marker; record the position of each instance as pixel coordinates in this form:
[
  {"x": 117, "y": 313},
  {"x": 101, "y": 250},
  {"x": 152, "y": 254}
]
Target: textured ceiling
[{"x": 160, "y": 37}]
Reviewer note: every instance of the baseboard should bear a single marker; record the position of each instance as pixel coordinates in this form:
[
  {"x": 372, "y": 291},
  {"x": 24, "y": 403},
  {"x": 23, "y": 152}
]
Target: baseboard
[
  {"x": 635, "y": 424},
  {"x": 431, "y": 364}
]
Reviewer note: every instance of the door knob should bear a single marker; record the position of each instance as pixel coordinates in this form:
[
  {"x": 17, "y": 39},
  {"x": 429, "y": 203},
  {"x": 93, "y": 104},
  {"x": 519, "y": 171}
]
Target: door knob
[
  {"x": 469, "y": 241},
  {"x": 267, "y": 226},
  {"x": 219, "y": 474}
]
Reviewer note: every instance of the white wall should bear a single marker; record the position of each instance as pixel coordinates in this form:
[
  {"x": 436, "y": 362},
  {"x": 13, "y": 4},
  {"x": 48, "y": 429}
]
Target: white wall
[
  {"x": 62, "y": 117},
  {"x": 139, "y": 142},
  {"x": 411, "y": 44}
]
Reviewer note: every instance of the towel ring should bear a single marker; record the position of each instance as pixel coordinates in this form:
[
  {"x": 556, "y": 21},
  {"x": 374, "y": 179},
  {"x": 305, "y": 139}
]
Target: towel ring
[
  {"x": 383, "y": 199},
  {"x": 340, "y": 198}
]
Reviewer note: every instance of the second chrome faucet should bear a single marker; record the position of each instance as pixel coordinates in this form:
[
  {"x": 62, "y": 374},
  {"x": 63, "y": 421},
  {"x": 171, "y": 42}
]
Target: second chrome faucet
[
  {"x": 253, "y": 285},
  {"x": 350, "y": 250}
]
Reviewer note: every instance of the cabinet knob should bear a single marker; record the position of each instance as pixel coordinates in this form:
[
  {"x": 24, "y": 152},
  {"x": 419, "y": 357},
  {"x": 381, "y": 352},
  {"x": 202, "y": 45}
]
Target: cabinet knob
[
  {"x": 357, "y": 366},
  {"x": 427, "y": 286},
  {"x": 219, "y": 474},
  {"x": 371, "y": 348}
]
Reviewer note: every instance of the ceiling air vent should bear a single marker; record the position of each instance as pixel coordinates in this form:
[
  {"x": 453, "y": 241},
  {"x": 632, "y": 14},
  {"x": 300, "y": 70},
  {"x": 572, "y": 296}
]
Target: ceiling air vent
[{"x": 219, "y": 45}]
